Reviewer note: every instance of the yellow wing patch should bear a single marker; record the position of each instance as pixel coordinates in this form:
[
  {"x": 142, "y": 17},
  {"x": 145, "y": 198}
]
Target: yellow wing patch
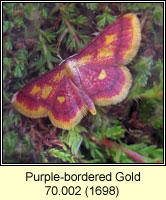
[
  {"x": 120, "y": 96},
  {"x": 35, "y": 90},
  {"x": 59, "y": 76},
  {"x": 110, "y": 38},
  {"x": 107, "y": 50},
  {"x": 46, "y": 91},
  {"x": 102, "y": 75},
  {"x": 104, "y": 52},
  {"x": 84, "y": 60},
  {"x": 61, "y": 99}
]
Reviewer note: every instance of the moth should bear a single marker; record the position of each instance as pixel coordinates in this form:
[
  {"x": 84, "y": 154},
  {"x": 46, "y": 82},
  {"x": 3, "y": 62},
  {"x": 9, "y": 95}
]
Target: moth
[{"x": 96, "y": 75}]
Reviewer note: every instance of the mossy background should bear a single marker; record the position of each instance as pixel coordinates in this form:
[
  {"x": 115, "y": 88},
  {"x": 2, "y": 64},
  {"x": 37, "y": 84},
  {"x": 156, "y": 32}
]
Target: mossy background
[{"x": 36, "y": 36}]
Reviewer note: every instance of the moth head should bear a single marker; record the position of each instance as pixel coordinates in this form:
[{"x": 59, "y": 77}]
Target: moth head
[{"x": 71, "y": 67}]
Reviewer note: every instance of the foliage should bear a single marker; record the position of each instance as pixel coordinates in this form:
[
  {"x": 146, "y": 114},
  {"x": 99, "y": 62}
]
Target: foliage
[
  {"x": 36, "y": 37},
  {"x": 139, "y": 6},
  {"x": 143, "y": 67},
  {"x": 105, "y": 18},
  {"x": 62, "y": 154},
  {"x": 92, "y": 6}
]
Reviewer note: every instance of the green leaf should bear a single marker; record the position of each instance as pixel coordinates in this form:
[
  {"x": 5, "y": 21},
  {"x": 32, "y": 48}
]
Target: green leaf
[
  {"x": 74, "y": 141},
  {"x": 151, "y": 153},
  {"x": 106, "y": 17},
  {"x": 22, "y": 55},
  {"x": 9, "y": 9},
  {"x": 18, "y": 71},
  {"x": 8, "y": 43},
  {"x": 143, "y": 68},
  {"x": 19, "y": 22},
  {"x": 80, "y": 20},
  {"x": 95, "y": 151},
  {"x": 9, "y": 142},
  {"x": 102, "y": 21},
  {"x": 138, "y": 6},
  {"x": 115, "y": 132},
  {"x": 65, "y": 156},
  {"x": 44, "y": 13},
  {"x": 158, "y": 15},
  {"x": 7, "y": 62},
  {"x": 7, "y": 25},
  {"x": 48, "y": 34},
  {"x": 92, "y": 6}
]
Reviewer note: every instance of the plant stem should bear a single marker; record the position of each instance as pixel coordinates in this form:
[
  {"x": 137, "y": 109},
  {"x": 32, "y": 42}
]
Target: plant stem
[{"x": 131, "y": 154}]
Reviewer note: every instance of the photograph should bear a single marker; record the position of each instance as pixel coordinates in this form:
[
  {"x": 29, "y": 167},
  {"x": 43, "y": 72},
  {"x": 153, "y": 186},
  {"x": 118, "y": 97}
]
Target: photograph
[{"x": 83, "y": 83}]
